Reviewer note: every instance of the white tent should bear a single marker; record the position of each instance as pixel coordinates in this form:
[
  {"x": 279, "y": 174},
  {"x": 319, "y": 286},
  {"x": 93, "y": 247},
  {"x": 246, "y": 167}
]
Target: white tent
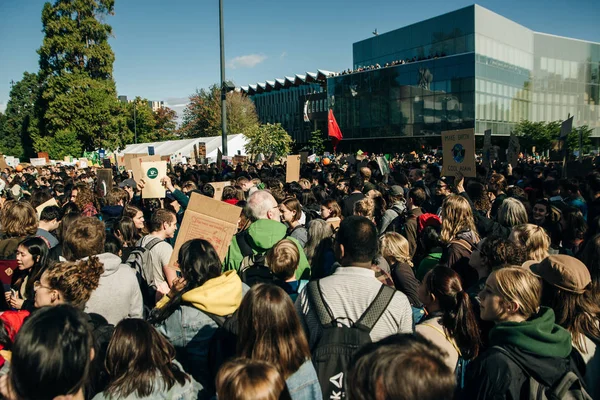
[{"x": 185, "y": 147}]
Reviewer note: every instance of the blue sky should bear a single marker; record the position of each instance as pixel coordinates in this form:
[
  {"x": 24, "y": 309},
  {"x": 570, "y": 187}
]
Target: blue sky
[{"x": 165, "y": 50}]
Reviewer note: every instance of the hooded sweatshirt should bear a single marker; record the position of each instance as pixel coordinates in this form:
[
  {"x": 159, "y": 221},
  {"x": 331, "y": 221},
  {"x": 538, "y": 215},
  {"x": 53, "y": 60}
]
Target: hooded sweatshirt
[
  {"x": 190, "y": 330},
  {"x": 542, "y": 348},
  {"x": 261, "y": 236},
  {"x": 118, "y": 294}
]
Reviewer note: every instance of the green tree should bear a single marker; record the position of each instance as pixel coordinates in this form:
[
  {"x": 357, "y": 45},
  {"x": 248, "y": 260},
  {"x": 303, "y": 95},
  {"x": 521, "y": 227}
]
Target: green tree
[
  {"x": 140, "y": 118},
  {"x": 78, "y": 95},
  {"x": 21, "y": 121},
  {"x": 538, "y": 134},
  {"x": 573, "y": 139},
  {"x": 268, "y": 139},
  {"x": 317, "y": 142},
  {"x": 202, "y": 116},
  {"x": 165, "y": 124}
]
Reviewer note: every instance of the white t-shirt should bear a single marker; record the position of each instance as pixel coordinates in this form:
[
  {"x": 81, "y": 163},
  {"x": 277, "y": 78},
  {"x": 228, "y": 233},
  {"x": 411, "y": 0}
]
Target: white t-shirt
[{"x": 160, "y": 255}]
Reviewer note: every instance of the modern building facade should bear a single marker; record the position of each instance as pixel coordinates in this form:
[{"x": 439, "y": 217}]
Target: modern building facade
[
  {"x": 298, "y": 103},
  {"x": 470, "y": 68}
]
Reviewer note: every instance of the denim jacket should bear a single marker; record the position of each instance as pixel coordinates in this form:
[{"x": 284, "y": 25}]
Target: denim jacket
[{"x": 304, "y": 383}]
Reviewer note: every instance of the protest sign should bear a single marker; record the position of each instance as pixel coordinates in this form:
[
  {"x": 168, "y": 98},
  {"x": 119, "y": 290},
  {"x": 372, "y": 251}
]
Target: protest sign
[
  {"x": 45, "y": 155},
  {"x": 292, "y": 172},
  {"x": 212, "y": 220},
  {"x": 127, "y": 160},
  {"x": 153, "y": 172},
  {"x": 513, "y": 150},
  {"x": 218, "y": 186},
  {"x": 219, "y": 159},
  {"x": 11, "y": 161},
  {"x": 37, "y": 162},
  {"x": 105, "y": 181},
  {"x": 3, "y": 163},
  {"x": 136, "y": 165},
  {"x": 459, "y": 152},
  {"x": 303, "y": 157},
  {"x": 384, "y": 165},
  {"x": 487, "y": 148},
  {"x": 40, "y": 208},
  {"x": 84, "y": 163}
]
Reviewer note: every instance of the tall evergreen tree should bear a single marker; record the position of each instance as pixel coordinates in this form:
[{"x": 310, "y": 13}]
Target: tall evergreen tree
[
  {"x": 20, "y": 121},
  {"x": 78, "y": 103}
]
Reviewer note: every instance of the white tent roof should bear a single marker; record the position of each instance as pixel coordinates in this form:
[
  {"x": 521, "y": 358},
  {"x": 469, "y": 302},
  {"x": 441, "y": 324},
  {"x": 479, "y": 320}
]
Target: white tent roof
[{"x": 235, "y": 145}]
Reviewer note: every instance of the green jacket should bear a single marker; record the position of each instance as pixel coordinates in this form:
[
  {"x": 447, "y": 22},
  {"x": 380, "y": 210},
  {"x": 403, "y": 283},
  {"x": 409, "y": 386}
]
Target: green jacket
[
  {"x": 264, "y": 234},
  {"x": 539, "y": 335}
]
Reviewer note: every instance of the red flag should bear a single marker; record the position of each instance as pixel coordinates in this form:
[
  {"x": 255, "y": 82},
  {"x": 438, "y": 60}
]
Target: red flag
[{"x": 334, "y": 130}]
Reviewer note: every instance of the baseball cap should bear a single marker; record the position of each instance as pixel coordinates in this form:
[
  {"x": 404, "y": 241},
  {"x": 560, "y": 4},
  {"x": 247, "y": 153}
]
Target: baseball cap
[
  {"x": 128, "y": 182},
  {"x": 396, "y": 190},
  {"x": 562, "y": 271}
]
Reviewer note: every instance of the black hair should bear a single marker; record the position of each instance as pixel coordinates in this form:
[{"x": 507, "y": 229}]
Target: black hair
[
  {"x": 52, "y": 354},
  {"x": 358, "y": 235},
  {"x": 50, "y": 213},
  {"x": 112, "y": 244},
  {"x": 356, "y": 183},
  {"x": 198, "y": 262}
]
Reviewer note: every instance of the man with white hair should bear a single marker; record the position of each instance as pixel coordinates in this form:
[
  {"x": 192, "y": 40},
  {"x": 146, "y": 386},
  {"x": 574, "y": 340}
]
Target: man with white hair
[{"x": 264, "y": 232}]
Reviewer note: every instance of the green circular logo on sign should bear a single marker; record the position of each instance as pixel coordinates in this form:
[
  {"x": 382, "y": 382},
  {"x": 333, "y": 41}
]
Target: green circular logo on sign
[{"x": 152, "y": 173}]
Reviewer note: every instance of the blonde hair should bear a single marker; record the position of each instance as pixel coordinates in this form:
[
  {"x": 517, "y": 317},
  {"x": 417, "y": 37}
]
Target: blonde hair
[
  {"x": 512, "y": 213},
  {"x": 393, "y": 245},
  {"x": 365, "y": 208},
  {"x": 519, "y": 285},
  {"x": 283, "y": 259},
  {"x": 534, "y": 239},
  {"x": 457, "y": 216}
]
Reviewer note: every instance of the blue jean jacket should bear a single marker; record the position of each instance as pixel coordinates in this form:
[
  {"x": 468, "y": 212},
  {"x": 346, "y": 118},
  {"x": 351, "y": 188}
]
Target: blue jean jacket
[{"x": 304, "y": 383}]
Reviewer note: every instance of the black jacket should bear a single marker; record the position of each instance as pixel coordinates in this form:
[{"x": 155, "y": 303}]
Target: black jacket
[
  {"x": 348, "y": 203},
  {"x": 494, "y": 376}
]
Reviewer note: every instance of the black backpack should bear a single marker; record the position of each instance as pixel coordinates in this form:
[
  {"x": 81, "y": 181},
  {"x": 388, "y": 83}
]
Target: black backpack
[
  {"x": 223, "y": 343},
  {"x": 253, "y": 268},
  {"x": 568, "y": 387},
  {"x": 397, "y": 224},
  {"x": 333, "y": 352}
]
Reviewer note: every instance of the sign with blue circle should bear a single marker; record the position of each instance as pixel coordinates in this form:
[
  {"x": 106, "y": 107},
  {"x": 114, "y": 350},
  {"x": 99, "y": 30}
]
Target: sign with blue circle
[{"x": 458, "y": 153}]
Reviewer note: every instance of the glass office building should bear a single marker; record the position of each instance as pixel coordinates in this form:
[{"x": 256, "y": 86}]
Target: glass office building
[{"x": 470, "y": 68}]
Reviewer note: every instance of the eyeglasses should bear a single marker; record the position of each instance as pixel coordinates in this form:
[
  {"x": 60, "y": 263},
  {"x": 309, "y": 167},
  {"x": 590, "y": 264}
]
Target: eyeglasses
[{"x": 38, "y": 285}]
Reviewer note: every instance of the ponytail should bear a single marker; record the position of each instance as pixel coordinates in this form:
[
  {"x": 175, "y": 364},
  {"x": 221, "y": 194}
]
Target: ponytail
[{"x": 458, "y": 319}]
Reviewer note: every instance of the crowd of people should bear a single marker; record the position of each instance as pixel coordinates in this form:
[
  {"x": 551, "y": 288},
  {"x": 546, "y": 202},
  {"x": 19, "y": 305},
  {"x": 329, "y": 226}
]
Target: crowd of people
[
  {"x": 390, "y": 64},
  {"x": 348, "y": 283}
]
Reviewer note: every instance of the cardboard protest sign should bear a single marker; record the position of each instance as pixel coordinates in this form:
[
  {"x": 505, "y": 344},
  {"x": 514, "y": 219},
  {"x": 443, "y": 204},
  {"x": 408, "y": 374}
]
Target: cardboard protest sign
[
  {"x": 45, "y": 155},
  {"x": 104, "y": 182},
  {"x": 83, "y": 163},
  {"x": 292, "y": 172},
  {"x": 37, "y": 162},
  {"x": 136, "y": 165},
  {"x": 212, "y": 220},
  {"x": 459, "y": 152},
  {"x": 3, "y": 163},
  {"x": 127, "y": 160},
  {"x": 152, "y": 173},
  {"x": 219, "y": 189},
  {"x": 40, "y": 208}
]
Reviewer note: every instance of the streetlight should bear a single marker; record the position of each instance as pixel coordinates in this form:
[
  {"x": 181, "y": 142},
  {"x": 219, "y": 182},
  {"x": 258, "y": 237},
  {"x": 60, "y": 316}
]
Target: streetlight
[
  {"x": 135, "y": 121},
  {"x": 223, "y": 86}
]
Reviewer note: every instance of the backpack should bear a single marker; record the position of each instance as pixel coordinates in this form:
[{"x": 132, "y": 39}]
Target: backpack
[
  {"x": 223, "y": 343},
  {"x": 427, "y": 219},
  {"x": 332, "y": 355},
  {"x": 138, "y": 258},
  {"x": 397, "y": 224},
  {"x": 254, "y": 269},
  {"x": 568, "y": 387}
]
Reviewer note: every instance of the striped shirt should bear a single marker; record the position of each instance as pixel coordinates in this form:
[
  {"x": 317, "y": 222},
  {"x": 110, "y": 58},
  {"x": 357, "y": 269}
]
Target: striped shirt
[{"x": 348, "y": 292}]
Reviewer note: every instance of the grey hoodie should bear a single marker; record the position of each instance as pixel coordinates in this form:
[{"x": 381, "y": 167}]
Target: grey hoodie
[{"x": 118, "y": 295}]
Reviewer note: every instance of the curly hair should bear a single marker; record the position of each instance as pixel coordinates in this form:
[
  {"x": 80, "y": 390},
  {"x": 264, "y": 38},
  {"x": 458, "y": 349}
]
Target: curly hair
[
  {"x": 85, "y": 195},
  {"x": 75, "y": 280}
]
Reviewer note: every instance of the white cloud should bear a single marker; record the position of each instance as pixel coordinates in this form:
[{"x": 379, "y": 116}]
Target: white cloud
[
  {"x": 247, "y": 61},
  {"x": 283, "y": 55}
]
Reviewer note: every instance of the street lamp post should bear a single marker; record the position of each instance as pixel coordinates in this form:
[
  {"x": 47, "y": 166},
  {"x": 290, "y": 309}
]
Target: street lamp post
[
  {"x": 223, "y": 88},
  {"x": 135, "y": 121}
]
